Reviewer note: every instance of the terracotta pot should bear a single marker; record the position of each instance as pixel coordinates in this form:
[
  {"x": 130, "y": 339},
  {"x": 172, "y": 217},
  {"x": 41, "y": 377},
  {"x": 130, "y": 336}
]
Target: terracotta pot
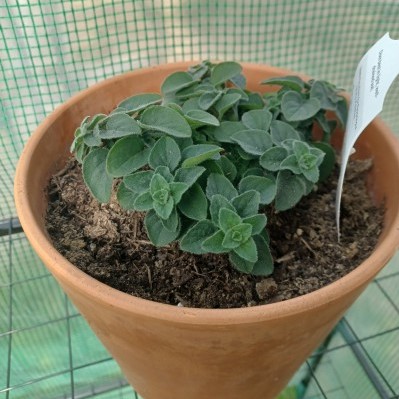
[{"x": 173, "y": 352}]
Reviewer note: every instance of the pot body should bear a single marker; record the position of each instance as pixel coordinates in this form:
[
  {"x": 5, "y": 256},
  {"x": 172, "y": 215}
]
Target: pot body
[{"x": 168, "y": 352}]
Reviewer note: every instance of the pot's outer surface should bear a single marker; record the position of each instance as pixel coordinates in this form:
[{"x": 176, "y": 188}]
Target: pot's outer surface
[{"x": 169, "y": 352}]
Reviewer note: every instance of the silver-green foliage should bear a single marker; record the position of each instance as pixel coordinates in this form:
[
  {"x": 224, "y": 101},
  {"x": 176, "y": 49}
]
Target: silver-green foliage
[{"x": 206, "y": 156}]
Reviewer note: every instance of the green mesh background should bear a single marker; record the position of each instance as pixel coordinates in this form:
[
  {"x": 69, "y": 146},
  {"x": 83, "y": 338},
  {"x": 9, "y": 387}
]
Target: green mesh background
[{"x": 51, "y": 49}]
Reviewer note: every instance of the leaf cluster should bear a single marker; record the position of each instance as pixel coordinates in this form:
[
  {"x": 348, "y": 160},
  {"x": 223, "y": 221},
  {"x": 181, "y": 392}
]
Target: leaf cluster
[{"x": 206, "y": 156}]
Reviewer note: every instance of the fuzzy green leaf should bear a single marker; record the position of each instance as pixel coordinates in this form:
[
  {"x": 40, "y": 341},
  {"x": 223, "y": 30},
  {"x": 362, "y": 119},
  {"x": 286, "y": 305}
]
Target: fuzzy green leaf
[
  {"x": 172, "y": 223},
  {"x": 259, "y": 119},
  {"x": 237, "y": 235},
  {"x": 342, "y": 111},
  {"x": 139, "y": 102},
  {"x": 326, "y": 95},
  {"x": 217, "y": 203},
  {"x": 126, "y": 197},
  {"x": 228, "y": 219},
  {"x": 208, "y": 99},
  {"x": 126, "y": 156},
  {"x": 163, "y": 210},
  {"x": 164, "y": 171},
  {"x": 195, "y": 154},
  {"x": 247, "y": 203},
  {"x": 196, "y": 235},
  {"x": 290, "y": 189},
  {"x": 190, "y": 105},
  {"x": 189, "y": 175},
  {"x": 328, "y": 164},
  {"x": 291, "y": 82},
  {"x": 176, "y": 81},
  {"x": 296, "y": 107},
  {"x": 213, "y": 244},
  {"x": 291, "y": 163},
  {"x": 258, "y": 222},
  {"x": 158, "y": 182},
  {"x": 272, "y": 158},
  {"x": 226, "y": 102},
  {"x": 240, "y": 264},
  {"x": 118, "y": 125},
  {"x": 194, "y": 203},
  {"x": 177, "y": 190},
  {"x": 281, "y": 131},
  {"x": 197, "y": 118},
  {"x": 92, "y": 140},
  {"x": 95, "y": 175},
  {"x": 247, "y": 250},
  {"x": 139, "y": 181},
  {"x": 264, "y": 265},
  {"x": 166, "y": 120},
  {"x": 264, "y": 186},
  {"x": 228, "y": 167},
  {"x": 226, "y": 130},
  {"x": 255, "y": 101},
  {"x": 254, "y": 142},
  {"x": 165, "y": 152},
  {"x": 157, "y": 233},
  {"x": 219, "y": 184},
  {"x": 143, "y": 202},
  {"x": 225, "y": 71},
  {"x": 311, "y": 174}
]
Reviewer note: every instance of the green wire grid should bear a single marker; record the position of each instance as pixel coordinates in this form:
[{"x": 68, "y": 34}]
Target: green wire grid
[{"x": 51, "y": 49}]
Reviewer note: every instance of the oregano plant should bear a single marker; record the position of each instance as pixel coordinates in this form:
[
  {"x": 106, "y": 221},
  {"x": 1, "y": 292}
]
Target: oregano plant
[{"x": 206, "y": 157}]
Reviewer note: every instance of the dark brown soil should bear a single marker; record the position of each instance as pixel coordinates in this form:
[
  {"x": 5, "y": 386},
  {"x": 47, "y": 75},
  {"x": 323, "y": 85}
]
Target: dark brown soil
[{"x": 111, "y": 245}]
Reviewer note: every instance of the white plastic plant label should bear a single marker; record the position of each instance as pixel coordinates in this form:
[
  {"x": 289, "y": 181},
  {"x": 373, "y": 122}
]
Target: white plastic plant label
[{"x": 374, "y": 75}]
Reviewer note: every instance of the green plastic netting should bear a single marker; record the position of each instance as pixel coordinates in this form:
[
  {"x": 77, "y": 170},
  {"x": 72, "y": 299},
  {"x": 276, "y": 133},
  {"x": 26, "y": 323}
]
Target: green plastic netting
[{"x": 51, "y": 49}]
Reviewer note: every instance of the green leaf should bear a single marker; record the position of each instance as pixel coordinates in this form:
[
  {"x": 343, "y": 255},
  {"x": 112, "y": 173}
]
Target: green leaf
[
  {"x": 118, "y": 125},
  {"x": 264, "y": 186},
  {"x": 219, "y": 184},
  {"x": 213, "y": 244},
  {"x": 291, "y": 163},
  {"x": 259, "y": 119},
  {"x": 247, "y": 250},
  {"x": 290, "y": 189},
  {"x": 291, "y": 82},
  {"x": 281, "y": 131},
  {"x": 165, "y": 120},
  {"x": 189, "y": 175},
  {"x": 226, "y": 130},
  {"x": 157, "y": 233},
  {"x": 255, "y": 101},
  {"x": 300, "y": 148},
  {"x": 247, "y": 203},
  {"x": 226, "y": 102},
  {"x": 312, "y": 174},
  {"x": 143, "y": 202},
  {"x": 95, "y": 120},
  {"x": 126, "y": 197},
  {"x": 190, "y": 105},
  {"x": 296, "y": 107},
  {"x": 239, "y": 81},
  {"x": 325, "y": 94},
  {"x": 126, "y": 156},
  {"x": 196, "y": 235},
  {"x": 264, "y": 265},
  {"x": 208, "y": 99},
  {"x": 217, "y": 203},
  {"x": 95, "y": 175},
  {"x": 342, "y": 111},
  {"x": 177, "y": 81},
  {"x": 194, "y": 203},
  {"x": 240, "y": 264},
  {"x": 328, "y": 164},
  {"x": 228, "y": 219},
  {"x": 237, "y": 235},
  {"x": 165, "y": 152},
  {"x": 172, "y": 223},
  {"x": 139, "y": 102},
  {"x": 258, "y": 222},
  {"x": 197, "y": 118},
  {"x": 253, "y": 172},
  {"x": 228, "y": 167},
  {"x": 91, "y": 140},
  {"x": 195, "y": 154},
  {"x": 164, "y": 171},
  {"x": 158, "y": 182},
  {"x": 272, "y": 158},
  {"x": 225, "y": 71},
  {"x": 177, "y": 190},
  {"x": 254, "y": 142},
  {"x": 139, "y": 181},
  {"x": 163, "y": 210}
]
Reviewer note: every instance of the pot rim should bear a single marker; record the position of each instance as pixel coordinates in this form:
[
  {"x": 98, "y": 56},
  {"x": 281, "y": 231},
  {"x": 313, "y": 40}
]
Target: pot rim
[{"x": 65, "y": 271}]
